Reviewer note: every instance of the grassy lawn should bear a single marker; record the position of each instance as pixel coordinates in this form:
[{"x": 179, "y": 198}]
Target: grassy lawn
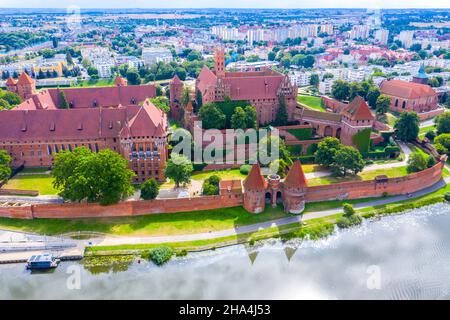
[
  {"x": 312, "y": 102},
  {"x": 40, "y": 182},
  {"x": 389, "y": 119},
  {"x": 226, "y": 174},
  {"x": 151, "y": 225},
  {"x": 369, "y": 175},
  {"x": 94, "y": 83},
  {"x": 424, "y": 130},
  {"x": 34, "y": 170}
]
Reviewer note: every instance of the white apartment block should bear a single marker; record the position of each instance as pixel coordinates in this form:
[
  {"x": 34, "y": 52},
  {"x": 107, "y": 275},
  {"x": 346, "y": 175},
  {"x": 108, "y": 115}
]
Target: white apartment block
[
  {"x": 325, "y": 86},
  {"x": 382, "y": 36},
  {"x": 406, "y": 37},
  {"x": 154, "y": 55},
  {"x": 359, "y": 32},
  {"x": 300, "y": 78}
]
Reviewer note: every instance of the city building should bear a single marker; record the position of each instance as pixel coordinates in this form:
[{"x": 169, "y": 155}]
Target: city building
[
  {"x": 155, "y": 55},
  {"x": 263, "y": 89},
  {"x": 382, "y": 36}
]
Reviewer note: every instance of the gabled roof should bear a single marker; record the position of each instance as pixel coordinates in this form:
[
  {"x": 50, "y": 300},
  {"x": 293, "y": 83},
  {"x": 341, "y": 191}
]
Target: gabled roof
[
  {"x": 295, "y": 178},
  {"x": 25, "y": 79},
  {"x": 120, "y": 81},
  {"x": 148, "y": 121},
  {"x": 406, "y": 90},
  {"x": 255, "y": 181},
  {"x": 10, "y": 82},
  {"x": 176, "y": 80},
  {"x": 358, "y": 110}
]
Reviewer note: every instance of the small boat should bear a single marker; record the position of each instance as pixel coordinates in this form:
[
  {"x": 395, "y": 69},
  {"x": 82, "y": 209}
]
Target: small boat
[{"x": 42, "y": 261}]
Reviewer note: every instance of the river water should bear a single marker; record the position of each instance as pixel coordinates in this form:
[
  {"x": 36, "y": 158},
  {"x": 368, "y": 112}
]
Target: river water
[{"x": 398, "y": 257}]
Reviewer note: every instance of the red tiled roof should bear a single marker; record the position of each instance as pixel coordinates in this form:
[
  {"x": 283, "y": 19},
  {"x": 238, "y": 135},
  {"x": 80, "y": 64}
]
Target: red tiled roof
[
  {"x": 358, "y": 110},
  {"x": 59, "y": 124},
  {"x": 295, "y": 177},
  {"x": 120, "y": 81},
  {"x": 176, "y": 80},
  {"x": 406, "y": 90},
  {"x": 90, "y": 97},
  {"x": 10, "y": 81},
  {"x": 255, "y": 181},
  {"x": 24, "y": 78}
]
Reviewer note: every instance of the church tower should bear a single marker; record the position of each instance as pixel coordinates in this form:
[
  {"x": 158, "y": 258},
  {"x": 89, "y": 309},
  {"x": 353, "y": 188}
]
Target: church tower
[{"x": 219, "y": 62}]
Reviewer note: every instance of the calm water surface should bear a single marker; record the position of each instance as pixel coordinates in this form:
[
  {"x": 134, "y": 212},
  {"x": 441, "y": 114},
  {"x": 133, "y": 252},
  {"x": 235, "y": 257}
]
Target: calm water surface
[{"x": 397, "y": 257}]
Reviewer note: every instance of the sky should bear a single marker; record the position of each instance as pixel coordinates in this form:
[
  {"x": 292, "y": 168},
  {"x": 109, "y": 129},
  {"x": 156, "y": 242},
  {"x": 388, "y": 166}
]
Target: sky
[{"x": 226, "y": 4}]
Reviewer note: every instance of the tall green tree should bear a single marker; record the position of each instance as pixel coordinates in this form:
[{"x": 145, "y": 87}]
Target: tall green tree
[
  {"x": 347, "y": 159},
  {"x": 251, "y": 116},
  {"x": 179, "y": 168},
  {"x": 5, "y": 161},
  {"x": 281, "y": 118},
  {"x": 82, "y": 175},
  {"x": 407, "y": 126},
  {"x": 63, "y": 104},
  {"x": 417, "y": 161},
  {"x": 326, "y": 151},
  {"x": 340, "y": 90},
  {"x": 443, "y": 123},
  {"x": 212, "y": 117},
  {"x": 133, "y": 76},
  {"x": 314, "y": 80},
  {"x": 185, "y": 97},
  {"x": 372, "y": 96},
  {"x": 382, "y": 104},
  {"x": 239, "y": 119}
]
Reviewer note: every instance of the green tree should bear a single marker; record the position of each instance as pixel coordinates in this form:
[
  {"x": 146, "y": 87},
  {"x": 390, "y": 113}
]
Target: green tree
[
  {"x": 63, "y": 104},
  {"x": 407, "y": 126},
  {"x": 341, "y": 90},
  {"x": 239, "y": 119},
  {"x": 348, "y": 209},
  {"x": 162, "y": 103},
  {"x": 199, "y": 99},
  {"x": 185, "y": 97},
  {"x": 179, "y": 168},
  {"x": 211, "y": 186},
  {"x": 281, "y": 118},
  {"x": 251, "y": 118},
  {"x": 271, "y": 56},
  {"x": 356, "y": 89},
  {"x": 326, "y": 151},
  {"x": 278, "y": 167},
  {"x": 149, "y": 189},
  {"x": 133, "y": 76},
  {"x": 314, "y": 80},
  {"x": 417, "y": 161},
  {"x": 442, "y": 143},
  {"x": 94, "y": 177},
  {"x": 212, "y": 117},
  {"x": 372, "y": 96},
  {"x": 5, "y": 161},
  {"x": 12, "y": 98},
  {"x": 347, "y": 159},
  {"x": 443, "y": 123},
  {"x": 382, "y": 104},
  {"x": 4, "y": 105}
]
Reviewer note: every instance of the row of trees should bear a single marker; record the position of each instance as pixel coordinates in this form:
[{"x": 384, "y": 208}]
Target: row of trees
[{"x": 243, "y": 117}]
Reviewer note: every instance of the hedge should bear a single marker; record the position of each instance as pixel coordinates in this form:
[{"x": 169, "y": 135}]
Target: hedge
[
  {"x": 305, "y": 159},
  {"x": 295, "y": 150},
  {"x": 362, "y": 140}
]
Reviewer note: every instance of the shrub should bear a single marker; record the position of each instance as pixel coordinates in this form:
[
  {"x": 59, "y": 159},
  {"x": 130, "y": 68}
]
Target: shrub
[
  {"x": 447, "y": 196},
  {"x": 211, "y": 186},
  {"x": 430, "y": 135},
  {"x": 348, "y": 209},
  {"x": 160, "y": 255},
  {"x": 149, "y": 189},
  {"x": 349, "y": 221},
  {"x": 384, "y": 194},
  {"x": 245, "y": 168},
  {"x": 181, "y": 253}
]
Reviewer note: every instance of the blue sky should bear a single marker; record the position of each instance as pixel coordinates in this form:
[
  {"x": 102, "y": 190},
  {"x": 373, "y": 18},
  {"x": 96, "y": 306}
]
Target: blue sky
[{"x": 227, "y": 4}]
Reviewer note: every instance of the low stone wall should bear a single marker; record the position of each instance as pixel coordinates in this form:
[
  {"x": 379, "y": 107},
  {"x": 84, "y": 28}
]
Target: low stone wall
[
  {"x": 376, "y": 188},
  {"x": 9, "y": 192},
  {"x": 430, "y": 114},
  {"x": 122, "y": 209}
]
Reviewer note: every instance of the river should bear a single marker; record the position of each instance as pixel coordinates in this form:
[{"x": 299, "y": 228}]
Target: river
[{"x": 398, "y": 257}]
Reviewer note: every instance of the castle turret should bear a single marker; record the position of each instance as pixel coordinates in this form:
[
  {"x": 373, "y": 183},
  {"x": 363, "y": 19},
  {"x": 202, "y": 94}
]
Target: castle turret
[
  {"x": 26, "y": 86},
  {"x": 219, "y": 62},
  {"x": 11, "y": 85},
  {"x": 294, "y": 189},
  {"x": 176, "y": 91},
  {"x": 254, "y": 190}
]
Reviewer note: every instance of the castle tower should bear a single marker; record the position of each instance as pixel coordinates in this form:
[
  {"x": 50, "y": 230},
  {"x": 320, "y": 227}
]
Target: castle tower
[
  {"x": 26, "y": 86},
  {"x": 11, "y": 85},
  {"x": 254, "y": 190},
  {"x": 219, "y": 62},
  {"x": 176, "y": 91},
  {"x": 356, "y": 117},
  {"x": 121, "y": 82},
  {"x": 294, "y": 189}
]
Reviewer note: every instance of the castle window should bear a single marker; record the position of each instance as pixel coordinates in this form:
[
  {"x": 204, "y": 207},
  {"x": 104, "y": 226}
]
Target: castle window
[
  {"x": 396, "y": 102},
  {"x": 96, "y": 147},
  {"x": 94, "y": 104},
  {"x": 403, "y": 104},
  {"x": 49, "y": 150}
]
